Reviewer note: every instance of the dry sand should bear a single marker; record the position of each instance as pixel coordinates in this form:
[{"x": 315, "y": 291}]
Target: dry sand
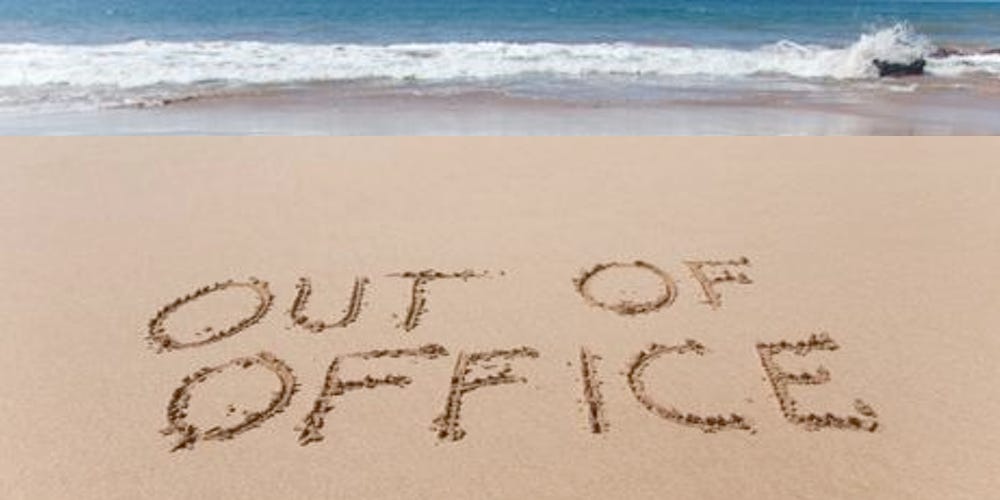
[{"x": 499, "y": 318}]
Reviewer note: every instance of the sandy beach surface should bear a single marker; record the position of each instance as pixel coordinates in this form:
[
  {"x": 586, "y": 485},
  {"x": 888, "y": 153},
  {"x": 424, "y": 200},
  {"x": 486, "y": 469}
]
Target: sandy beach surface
[
  {"x": 885, "y": 108},
  {"x": 499, "y": 318}
]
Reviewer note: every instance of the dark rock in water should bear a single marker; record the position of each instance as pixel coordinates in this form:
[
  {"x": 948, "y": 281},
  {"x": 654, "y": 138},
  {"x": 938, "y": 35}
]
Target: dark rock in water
[
  {"x": 943, "y": 52},
  {"x": 886, "y": 68}
]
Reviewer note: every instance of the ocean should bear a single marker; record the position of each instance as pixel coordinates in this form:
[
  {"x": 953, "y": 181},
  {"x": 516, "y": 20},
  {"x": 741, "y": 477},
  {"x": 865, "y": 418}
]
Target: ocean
[{"x": 82, "y": 56}]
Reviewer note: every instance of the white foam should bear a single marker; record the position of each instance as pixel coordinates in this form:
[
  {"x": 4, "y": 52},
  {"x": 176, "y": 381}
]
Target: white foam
[
  {"x": 142, "y": 64},
  {"x": 959, "y": 65}
]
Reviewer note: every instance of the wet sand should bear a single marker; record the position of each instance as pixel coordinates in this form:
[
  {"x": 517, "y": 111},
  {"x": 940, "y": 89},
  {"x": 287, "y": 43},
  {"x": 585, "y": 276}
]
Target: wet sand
[
  {"x": 883, "y": 108},
  {"x": 499, "y": 318}
]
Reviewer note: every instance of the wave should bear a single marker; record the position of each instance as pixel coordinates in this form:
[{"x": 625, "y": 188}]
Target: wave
[{"x": 143, "y": 64}]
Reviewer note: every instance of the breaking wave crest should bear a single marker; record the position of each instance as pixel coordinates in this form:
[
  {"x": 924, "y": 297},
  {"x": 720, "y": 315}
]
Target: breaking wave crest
[{"x": 143, "y": 64}]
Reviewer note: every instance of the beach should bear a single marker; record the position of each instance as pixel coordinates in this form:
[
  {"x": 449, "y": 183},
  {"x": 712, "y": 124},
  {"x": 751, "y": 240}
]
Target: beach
[
  {"x": 499, "y": 317},
  {"x": 586, "y": 67},
  {"x": 382, "y": 112}
]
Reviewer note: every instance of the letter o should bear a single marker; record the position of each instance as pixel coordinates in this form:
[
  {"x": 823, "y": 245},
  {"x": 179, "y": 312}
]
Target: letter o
[
  {"x": 181, "y": 398},
  {"x": 161, "y": 340},
  {"x": 627, "y": 307}
]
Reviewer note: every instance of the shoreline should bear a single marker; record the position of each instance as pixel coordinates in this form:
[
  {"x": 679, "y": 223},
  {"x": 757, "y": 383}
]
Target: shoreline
[
  {"x": 327, "y": 110},
  {"x": 238, "y": 87}
]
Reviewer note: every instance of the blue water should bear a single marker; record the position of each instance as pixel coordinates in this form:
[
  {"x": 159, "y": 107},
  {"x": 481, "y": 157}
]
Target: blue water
[
  {"x": 725, "y": 23},
  {"x": 58, "y": 55}
]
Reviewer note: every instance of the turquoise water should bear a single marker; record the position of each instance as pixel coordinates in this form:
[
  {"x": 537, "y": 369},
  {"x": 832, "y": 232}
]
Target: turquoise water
[
  {"x": 699, "y": 22},
  {"x": 87, "y": 54}
]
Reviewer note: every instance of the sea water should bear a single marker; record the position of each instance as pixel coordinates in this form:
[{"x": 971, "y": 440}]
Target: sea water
[{"x": 95, "y": 54}]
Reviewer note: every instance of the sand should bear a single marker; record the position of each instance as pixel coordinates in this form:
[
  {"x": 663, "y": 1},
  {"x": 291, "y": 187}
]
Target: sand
[
  {"x": 499, "y": 318},
  {"x": 937, "y": 108}
]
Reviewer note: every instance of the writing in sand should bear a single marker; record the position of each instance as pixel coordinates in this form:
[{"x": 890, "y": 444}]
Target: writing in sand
[{"x": 479, "y": 370}]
